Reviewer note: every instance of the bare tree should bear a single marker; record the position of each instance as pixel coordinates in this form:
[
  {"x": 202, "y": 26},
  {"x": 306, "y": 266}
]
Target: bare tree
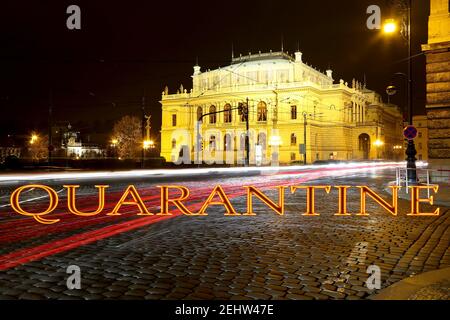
[{"x": 127, "y": 132}]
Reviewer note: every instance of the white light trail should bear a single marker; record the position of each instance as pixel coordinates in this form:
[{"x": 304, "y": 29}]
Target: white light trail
[{"x": 185, "y": 172}]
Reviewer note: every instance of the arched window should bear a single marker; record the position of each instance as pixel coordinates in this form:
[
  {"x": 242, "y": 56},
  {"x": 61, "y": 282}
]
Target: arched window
[
  {"x": 242, "y": 110},
  {"x": 212, "y": 143},
  {"x": 227, "y": 142},
  {"x": 364, "y": 144},
  {"x": 293, "y": 139},
  {"x": 262, "y": 111},
  {"x": 262, "y": 139},
  {"x": 227, "y": 113},
  {"x": 212, "y": 116},
  {"x": 199, "y": 113},
  {"x": 242, "y": 141},
  {"x": 174, "y": 143}
]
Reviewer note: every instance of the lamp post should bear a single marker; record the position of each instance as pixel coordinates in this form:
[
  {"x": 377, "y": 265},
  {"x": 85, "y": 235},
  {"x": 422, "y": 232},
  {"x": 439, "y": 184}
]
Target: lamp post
[
  {"x": 390, "y": 27},
  {"x": 305, "y": 115}
]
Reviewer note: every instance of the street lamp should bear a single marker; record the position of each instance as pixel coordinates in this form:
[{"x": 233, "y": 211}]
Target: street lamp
[
  {"x": 275, "y": 141},
  {"x": 148, "y": 144},
  {"x": 389, "y": 28},
  {"x": 34, "y": 138},
  {"x": 378, "y": 143}
]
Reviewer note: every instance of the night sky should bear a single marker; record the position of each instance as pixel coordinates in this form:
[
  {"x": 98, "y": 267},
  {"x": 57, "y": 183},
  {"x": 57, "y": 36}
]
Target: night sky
[{"x": 128, "y": 49}]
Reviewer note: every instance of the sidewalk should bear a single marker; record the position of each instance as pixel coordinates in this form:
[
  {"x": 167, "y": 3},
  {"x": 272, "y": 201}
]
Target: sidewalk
[
  {"x": 443, "y": 195},
  {"x": 432, "y": 285},
  {"x": 441, "y": 198}
]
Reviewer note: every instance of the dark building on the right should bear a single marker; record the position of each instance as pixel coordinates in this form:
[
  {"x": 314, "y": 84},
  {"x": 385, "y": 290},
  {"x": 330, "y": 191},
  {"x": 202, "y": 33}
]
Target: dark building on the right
[{"x": 438, "y": 83}]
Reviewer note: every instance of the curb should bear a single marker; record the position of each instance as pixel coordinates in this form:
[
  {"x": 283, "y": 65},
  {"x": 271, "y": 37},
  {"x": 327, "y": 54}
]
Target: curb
[{"x": 406, "y": 288}]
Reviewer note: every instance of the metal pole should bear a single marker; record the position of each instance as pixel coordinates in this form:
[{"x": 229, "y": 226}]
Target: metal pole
[
  {"x": 247, "y": 138},
  {"x": 143, "y": 133},
  {"x": 50, "y": 123},
  {"x": 304, "y": 137},
  {"x": 410, "y": 150},
  {"x": 199, "y": 140}
]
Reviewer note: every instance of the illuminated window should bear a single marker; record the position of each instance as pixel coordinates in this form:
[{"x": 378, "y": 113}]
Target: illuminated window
[
  {"x": 212, "y": 143},
  {"x": 293, "y": 112},
  {"x": 293, "y": 139},
  {"x": 227, "y": 113},
  {"x": 212, "y": 116},
  {"x": 241, "y": 111},
  {"x": 174, "y": 120},
  {"x": 262, "y": 111}
]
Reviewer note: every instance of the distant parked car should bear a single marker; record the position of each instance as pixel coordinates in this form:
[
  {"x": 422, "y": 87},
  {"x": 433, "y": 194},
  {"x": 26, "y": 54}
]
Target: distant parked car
[{"x": 324, "y": 162}]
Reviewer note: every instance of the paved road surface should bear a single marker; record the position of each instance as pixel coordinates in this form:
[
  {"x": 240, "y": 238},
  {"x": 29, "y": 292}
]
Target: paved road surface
[{"x": 220, "y": 257}]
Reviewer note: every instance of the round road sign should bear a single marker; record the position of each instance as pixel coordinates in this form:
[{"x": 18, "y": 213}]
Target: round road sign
[{"x": 410, "y": 132}]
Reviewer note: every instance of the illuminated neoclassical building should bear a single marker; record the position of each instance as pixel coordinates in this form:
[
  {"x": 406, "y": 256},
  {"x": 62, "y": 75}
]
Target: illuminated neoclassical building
[{"x": 288, "y": 102}]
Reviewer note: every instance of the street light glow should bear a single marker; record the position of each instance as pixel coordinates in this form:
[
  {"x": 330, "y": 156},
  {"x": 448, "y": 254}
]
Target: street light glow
[
  {"x": 148, "y": 144},
  {"x": 389, "y": 26},
  {"x": 34, "y": 138},
  {"x": 378, "y": 143},
  {"x": 275, "y": 141}
]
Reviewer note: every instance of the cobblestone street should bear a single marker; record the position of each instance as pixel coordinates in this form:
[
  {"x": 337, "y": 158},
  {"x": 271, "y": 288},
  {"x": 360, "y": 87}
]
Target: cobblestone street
[{"x": 267, "y": 256}]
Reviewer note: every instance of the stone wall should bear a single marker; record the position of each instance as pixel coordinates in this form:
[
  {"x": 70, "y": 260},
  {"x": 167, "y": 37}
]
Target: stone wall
[{"x": 438, "y": 103}]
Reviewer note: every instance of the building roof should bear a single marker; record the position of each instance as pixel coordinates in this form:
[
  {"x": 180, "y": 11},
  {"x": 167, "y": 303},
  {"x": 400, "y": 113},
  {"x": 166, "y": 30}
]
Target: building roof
[{"x": 279, "y": 55}]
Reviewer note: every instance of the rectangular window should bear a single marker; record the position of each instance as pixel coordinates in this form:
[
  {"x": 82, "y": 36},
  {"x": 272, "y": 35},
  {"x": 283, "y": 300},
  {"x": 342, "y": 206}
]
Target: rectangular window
[
  {"x": 293, "y": 139},
  {"x": 292, "y": 156},
  {"x": 174, "y": 120},
  {"x": 293, "y": 112},
  {"x": 420, "y": 134}
]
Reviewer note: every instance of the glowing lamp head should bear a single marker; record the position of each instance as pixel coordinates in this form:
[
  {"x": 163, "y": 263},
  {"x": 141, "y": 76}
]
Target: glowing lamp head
[
  {"x": 389, "y": 26},
  {"x": 147, "y": 144},
  {"x": 378, "y": 143},
  {"x": 34, "y": 138},
  {"x": 275, "y": 141}
]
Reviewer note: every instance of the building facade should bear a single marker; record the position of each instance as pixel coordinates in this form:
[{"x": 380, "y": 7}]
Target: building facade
[
  {"x": 421, "y": 141},
  {"x": 438, "y": 83},
  {"x": 292, "y": 108}
]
